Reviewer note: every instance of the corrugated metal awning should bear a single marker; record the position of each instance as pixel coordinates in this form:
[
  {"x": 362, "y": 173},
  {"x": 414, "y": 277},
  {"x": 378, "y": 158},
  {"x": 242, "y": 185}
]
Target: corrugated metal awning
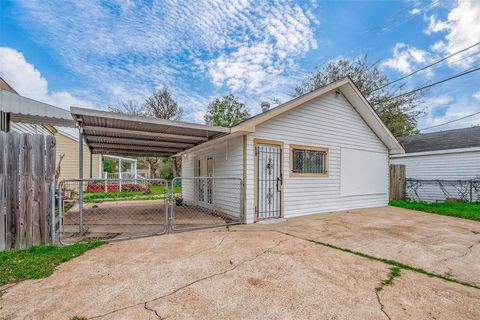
[
  {"x": 22, "y": 109},
  {"x": 121, "y": 134}
]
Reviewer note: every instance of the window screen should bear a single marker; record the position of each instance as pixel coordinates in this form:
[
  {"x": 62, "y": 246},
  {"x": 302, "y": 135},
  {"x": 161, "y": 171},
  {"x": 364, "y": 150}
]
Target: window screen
[{"x": 306, "y": 161}]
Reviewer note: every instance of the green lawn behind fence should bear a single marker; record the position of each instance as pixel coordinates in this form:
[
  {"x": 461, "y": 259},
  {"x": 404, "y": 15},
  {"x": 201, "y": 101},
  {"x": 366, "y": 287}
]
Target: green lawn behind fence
[
  {"x": 465, "y": 210},
  {"x": 156, "y": 192}
]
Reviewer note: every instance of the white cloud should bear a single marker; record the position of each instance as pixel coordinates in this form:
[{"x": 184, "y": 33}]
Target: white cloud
[
  {"x": 462, "y": 28},
  {"x": 442, "y": 109},
  {"x": 405, "y": 58},
  {"x": 124, "y": 50},
  {"x": 28, "y": 81},
  {"x": 476, "y": 95}
]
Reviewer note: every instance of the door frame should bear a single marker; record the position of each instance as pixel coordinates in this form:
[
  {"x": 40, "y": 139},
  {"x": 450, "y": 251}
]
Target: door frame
[{"x": 256, "y": 142}]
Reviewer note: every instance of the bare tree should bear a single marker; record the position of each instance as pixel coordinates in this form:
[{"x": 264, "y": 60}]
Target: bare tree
[
  {"x": 162, "y": 105},
  {"x": 159, "y": 105},
  {"x": 129, "y": 107}
]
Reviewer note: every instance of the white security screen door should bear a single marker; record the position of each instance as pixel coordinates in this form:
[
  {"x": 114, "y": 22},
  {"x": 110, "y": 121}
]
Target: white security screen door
[{"x": 269, "y": 181}]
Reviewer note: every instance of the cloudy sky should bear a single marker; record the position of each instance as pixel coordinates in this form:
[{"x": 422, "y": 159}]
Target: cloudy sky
[{"x": 95, "y": 53}]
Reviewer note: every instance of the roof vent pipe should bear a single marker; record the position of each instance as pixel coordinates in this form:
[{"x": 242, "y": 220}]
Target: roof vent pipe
[{"x": 265, "y": 106}]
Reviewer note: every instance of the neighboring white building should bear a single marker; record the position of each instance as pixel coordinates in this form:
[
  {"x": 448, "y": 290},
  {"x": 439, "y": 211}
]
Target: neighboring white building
[
  {"x": 445, "y": 155},
  {"x": 442, "y": 162},
  {"x": 325, "y": 151}
]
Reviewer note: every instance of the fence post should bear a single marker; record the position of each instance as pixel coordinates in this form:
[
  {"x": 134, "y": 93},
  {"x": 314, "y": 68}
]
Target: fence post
[
  {"x": 471, "y": 190},
  {"x": 53, "y": 212}
]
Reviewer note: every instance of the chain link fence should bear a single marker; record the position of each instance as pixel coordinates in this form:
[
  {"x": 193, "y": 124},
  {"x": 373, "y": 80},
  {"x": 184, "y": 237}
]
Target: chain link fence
[
  {"x": 202, "y": 202},
  {"x": 443, "y": 190},
  {"x": 114, "y": 209}
]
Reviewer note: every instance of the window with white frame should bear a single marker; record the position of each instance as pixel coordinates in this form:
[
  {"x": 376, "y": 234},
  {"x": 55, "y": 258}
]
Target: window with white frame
[{"x": 308, "y": 161}]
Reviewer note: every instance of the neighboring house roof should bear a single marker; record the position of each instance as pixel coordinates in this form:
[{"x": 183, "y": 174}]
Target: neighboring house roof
[
  {"x": 351, "y": 93},
  {"x": 5, "y": 86},
  {"x": 442, "y": 140}
]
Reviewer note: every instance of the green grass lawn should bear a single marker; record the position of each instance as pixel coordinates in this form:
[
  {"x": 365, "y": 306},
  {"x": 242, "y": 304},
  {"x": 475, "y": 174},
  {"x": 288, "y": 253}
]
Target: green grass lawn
[
  {"x": 463, "y": 210},
  {"x": 38, "y": 261}
]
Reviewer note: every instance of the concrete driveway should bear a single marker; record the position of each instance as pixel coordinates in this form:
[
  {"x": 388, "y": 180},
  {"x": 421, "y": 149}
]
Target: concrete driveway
[{"x": 262, "y": 272}]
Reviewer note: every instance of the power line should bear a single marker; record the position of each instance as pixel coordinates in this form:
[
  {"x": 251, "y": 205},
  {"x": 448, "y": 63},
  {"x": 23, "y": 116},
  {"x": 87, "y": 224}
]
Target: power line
[
  {"x": 428, "y": 66},
  {"x": 442, "y": 124},
  {"x": 473, "y": 69}
]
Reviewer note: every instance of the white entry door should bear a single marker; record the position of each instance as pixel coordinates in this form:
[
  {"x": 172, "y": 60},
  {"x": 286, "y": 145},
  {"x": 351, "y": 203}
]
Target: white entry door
[{"x": 269, "y": 181}]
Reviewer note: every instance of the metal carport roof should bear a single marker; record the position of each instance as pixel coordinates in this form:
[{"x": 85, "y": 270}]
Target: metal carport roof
[
  {"x": 121, "y": 134},
  {"x": 27, "y": 110}
]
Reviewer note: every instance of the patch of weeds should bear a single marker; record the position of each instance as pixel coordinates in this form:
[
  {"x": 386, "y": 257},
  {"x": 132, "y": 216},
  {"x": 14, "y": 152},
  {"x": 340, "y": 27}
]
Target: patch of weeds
[
  {"x": 38, "y": 261},
  {"x": 394, "y": 273},
  {"x": 78, "y": 318},
  {"x": 390, "y": 262},
  {"x": 94, "y": 206}
]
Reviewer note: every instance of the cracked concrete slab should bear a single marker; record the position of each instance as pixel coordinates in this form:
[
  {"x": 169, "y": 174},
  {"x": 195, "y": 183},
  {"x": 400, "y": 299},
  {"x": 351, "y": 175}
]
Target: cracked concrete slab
[
  {"x": 445, "y": 245},
  {"x": 249, "y": 273}
]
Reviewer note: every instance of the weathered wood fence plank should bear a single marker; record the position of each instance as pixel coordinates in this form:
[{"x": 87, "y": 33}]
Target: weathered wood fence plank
[
  {"x": 3, "y": 179},
  {"x": 397, "y": 182}
]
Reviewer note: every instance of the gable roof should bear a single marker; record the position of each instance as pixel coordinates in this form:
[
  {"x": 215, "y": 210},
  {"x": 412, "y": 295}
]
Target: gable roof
[
  {"x": 442, "y": 140},
  {"x": 351, "y": 93}
]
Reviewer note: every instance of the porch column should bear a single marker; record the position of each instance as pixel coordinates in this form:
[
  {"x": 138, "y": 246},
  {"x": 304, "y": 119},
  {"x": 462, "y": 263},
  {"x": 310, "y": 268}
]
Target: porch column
[
  {"x": 135, "y": 169},
  {"x": 120, "y": 175},
  {"x": 91, "y": 164}
]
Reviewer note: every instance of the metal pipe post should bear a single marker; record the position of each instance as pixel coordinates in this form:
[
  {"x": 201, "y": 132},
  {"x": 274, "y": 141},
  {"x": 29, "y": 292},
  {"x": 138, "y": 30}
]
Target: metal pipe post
[{"x": 80, "y": 179}]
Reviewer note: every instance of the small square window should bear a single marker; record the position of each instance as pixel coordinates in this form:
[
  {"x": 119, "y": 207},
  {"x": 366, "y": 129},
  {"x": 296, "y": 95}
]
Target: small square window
[{"x": 308, "y": 161}]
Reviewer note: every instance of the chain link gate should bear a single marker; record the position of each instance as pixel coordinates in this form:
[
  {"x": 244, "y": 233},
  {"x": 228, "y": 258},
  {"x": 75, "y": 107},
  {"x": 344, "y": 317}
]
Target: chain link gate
[
  {"x": 111, "y": 209},
  {"x": 115, "y": 209}
]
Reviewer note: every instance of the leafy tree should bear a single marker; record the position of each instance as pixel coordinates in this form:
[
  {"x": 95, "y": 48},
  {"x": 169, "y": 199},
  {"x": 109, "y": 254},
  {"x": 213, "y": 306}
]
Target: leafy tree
[
  {"x": 399, "y": 114},
  {"x": 109, "y": 165},
  {"x": 226, "y": 112}
]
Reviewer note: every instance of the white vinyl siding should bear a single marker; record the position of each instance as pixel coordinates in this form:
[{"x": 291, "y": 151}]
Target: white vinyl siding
[
  {"x": 328, "y": 122},
  {"x": 444, "y": 166},
  {"x": 228, "y": 162},
  {"x": 450, "y": 165}
]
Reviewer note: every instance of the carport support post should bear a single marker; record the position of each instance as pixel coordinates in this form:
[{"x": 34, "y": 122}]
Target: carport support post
[{"x": 80, "y": 178}]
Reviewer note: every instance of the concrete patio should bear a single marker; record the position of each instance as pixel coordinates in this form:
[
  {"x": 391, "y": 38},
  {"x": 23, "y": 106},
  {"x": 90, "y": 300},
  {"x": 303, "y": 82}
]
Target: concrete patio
[{"x": 269, "y": 272}]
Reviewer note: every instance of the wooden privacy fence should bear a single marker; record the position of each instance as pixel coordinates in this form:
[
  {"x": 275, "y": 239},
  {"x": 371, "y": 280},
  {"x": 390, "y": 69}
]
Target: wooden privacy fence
[
  {"x": 27, "y": 186},
  {"x": 397, "y": 182}
]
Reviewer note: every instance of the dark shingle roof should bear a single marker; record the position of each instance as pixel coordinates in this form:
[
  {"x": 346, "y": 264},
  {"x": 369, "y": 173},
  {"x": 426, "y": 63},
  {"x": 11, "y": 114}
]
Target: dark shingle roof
[{"x": 442, "y": 140}]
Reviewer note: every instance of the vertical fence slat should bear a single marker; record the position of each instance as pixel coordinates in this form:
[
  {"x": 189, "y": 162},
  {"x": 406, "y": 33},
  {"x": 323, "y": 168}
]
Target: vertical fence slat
[
  {"x": 397, "y": 182},
  {"x": 12, "y": 190},
  {"x": 3, "y": 173},
  {"x": 38, "y": 186},
  {"x": 49, "y": 191},
  {"x": 25, "y": 196}
]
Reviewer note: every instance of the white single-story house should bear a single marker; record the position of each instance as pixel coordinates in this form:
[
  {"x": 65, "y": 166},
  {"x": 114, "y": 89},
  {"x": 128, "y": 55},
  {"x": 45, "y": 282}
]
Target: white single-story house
[
  {"x": 324, "y": 151},
  {"x": 442, "y": 165}
]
